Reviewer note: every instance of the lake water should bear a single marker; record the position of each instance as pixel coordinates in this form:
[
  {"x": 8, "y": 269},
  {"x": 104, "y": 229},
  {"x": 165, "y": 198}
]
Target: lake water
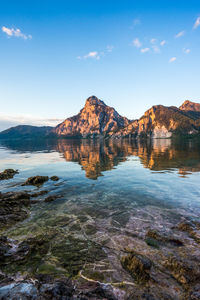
[{"x": 111, "y": 193}]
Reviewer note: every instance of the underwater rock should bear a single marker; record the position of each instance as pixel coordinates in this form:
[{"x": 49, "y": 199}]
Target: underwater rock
[
  {"x": 54, "y": 178},
  {"x": 22, "y": 291},
  {"x": 155, "y": 239},
  {"x": 138, "y": 266},
  {"x": 36, "y": 180},
  {"x": 13, "y": 207},
  {"x": 51, "y": 198},
  {"x": 183, "y": 272},
  {"x": 192, "y": 229},
  {"x": 8, "y": 174},
  {"x": 41, "y": 193},
  {"x": 48, "y": 288}
]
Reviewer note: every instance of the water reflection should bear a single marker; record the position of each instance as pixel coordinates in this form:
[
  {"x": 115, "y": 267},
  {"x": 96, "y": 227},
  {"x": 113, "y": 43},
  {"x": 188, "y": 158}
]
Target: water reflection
[{"x": 96, "y": 157}]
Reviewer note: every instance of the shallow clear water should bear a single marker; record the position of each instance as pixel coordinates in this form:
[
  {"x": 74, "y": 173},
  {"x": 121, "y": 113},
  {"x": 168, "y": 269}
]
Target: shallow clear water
[{"x": 110, "y": 194}]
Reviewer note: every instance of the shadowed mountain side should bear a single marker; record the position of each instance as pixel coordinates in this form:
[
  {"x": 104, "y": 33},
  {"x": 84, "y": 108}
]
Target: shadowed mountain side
[{"x": 26, "y": 131}]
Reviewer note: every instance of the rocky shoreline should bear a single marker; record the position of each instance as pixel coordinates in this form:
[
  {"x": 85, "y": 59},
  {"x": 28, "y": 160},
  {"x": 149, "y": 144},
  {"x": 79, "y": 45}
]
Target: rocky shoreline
[{"x": 153, "y": 265}]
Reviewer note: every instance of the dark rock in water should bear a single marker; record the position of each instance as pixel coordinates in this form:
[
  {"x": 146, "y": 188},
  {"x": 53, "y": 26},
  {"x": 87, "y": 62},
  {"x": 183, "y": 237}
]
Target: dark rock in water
[
  {"x": 138, "y": 266},
  {"x": 186, "y": 226},
  {"x": 41, "y": 193},
  {"x": 182, "y": 271},
  {"x": 4, "y": 247},
  {"x": 48, "y": 288},
  {"x": 50, "y": 198},
  {"x": 54, "y": 178},
  {"x": 195, "y": 294},
  {"x": 192, "y": 229},
  {"x": 8, "y": 174},
  {"x": 13, "y": 207},
  {"x": 36, "y": 180},
  {"x": 155, "y": 239}
]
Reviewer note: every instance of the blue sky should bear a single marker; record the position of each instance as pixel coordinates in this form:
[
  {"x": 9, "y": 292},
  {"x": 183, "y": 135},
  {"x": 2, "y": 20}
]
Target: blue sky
[{"x": 131, "y": 54}]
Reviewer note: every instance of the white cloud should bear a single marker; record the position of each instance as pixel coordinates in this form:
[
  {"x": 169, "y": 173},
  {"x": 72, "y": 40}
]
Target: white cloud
[
  {"x": 180, "y": 34},
  {"x": 172, "y": 59},
  {"x": 162, "y": 43},
  {"x": 15, "y": 32},
  {"x": 197, "y": 23},
  {"x": 92, "y": 54},
  {"x": 153, "y": 41},
  {"x": 144, "y": 50},
  {"x": 137, "y": 43},
  {"x": 186, "y": 51},
  {"x": 156, "y": 49}
]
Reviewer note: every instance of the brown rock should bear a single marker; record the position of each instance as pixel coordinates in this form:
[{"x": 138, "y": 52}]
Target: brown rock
[{"x": 36, "y": 180}]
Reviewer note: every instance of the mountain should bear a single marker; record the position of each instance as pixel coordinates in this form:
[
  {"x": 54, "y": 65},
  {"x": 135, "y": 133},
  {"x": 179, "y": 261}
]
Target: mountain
[
  {"x": 96, "y": 118},
  {"x": 26, "y": 131},
  {"x": 190, "y": 106},
  {"x": 162, "y": 122}
]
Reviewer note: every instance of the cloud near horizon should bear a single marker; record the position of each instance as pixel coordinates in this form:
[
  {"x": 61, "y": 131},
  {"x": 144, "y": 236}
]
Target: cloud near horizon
[
  {"x": 7, "y": 121},
  {"x": 15, "y": 32}
]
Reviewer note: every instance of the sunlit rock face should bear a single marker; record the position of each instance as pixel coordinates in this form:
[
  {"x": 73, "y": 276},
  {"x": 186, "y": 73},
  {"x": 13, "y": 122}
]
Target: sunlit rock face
[
  {"x": 190, "y": 106},
  {"x": 96, "y": 118},
  {"x": 161, "y": 122}
]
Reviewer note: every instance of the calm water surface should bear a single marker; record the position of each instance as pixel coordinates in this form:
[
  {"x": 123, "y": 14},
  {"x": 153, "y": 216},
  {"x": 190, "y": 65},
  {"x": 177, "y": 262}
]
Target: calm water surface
[{"x": 110, "y": 194}]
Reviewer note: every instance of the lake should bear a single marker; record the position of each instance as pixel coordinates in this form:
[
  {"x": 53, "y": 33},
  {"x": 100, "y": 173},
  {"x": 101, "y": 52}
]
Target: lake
[{"x": 116, "y": 199}]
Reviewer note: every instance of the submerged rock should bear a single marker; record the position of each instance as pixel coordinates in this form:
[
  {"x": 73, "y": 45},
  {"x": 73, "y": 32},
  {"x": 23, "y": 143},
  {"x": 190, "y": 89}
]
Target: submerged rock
[
  {"x": 138, "y": 266},
  {"x": 41, "y": 193},
  {"x": 54, "y": 178},
  {"x": 182, "y": 271},
  {"x": 156, "y": 239},
  {"x": 22, "y": 291},
  {"x": 8, "y": 174},
  {"x": 193, "y": 230},
  {"x": 49, "y": 288},
  {"x": 36, "y": 180},
  {"x": 51, "y": 198},
  {"x": 13, "y": 207}
]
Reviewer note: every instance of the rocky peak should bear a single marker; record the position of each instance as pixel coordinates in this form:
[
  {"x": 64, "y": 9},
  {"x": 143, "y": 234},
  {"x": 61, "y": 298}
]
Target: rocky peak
[
  {"x": 96, "y": 118},
  {"x": 93, "y": 100},
  {"x": 190, "y": 106}
]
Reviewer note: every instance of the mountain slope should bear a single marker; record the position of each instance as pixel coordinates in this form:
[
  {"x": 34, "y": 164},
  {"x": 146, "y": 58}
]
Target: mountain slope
[
  {"x": 96, "y": 118},
  {"x": 26, "y": 131},
  {"x": 190, "y": 106},
  {"x": 162, "y": 122}
]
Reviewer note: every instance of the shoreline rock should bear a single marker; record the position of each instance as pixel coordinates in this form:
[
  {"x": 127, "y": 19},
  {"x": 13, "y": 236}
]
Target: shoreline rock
[{"x": 8, "y": 174}]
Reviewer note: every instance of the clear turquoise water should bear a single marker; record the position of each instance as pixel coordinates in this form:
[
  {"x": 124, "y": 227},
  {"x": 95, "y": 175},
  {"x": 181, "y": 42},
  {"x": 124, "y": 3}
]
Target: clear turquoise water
[{"x": 110, "y": 194}]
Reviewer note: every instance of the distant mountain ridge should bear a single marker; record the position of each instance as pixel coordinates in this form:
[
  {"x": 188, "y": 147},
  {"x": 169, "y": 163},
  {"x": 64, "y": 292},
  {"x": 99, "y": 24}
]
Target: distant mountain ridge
[{"x": 96, "y": 119}]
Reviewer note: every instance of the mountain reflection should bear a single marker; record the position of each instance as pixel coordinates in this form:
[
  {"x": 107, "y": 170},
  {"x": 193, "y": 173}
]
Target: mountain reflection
[{"x": 96, "y": 156}]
